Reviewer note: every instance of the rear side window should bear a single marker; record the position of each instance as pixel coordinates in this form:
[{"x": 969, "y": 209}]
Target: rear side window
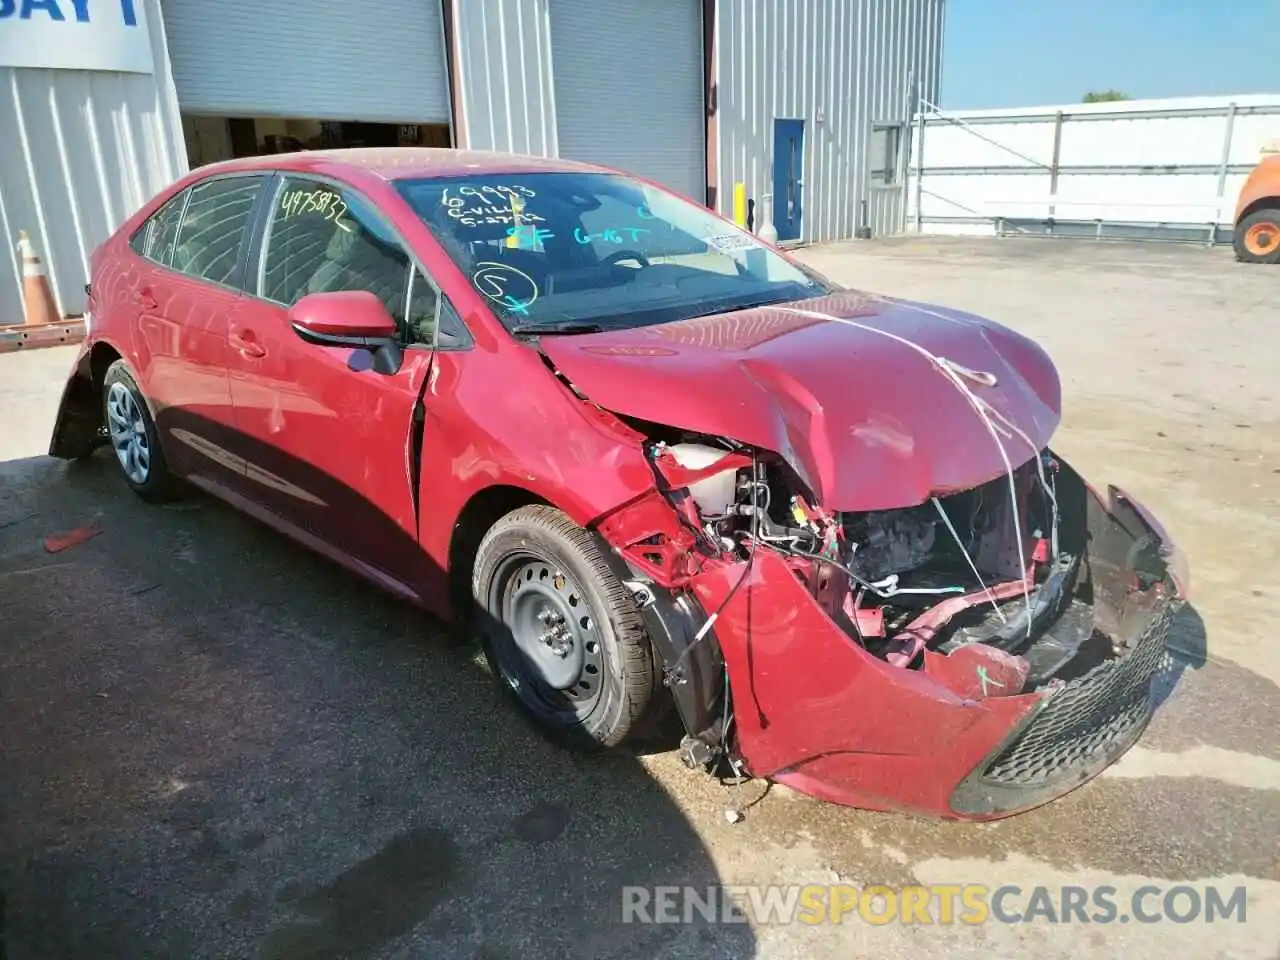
[
  {"x": 155, "y": 239},
  {"x": 213, "y": 228}
]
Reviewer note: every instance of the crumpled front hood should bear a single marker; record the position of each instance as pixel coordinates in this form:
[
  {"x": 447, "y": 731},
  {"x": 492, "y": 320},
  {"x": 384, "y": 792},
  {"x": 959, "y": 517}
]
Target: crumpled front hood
[{"x": 866, "y": 421}]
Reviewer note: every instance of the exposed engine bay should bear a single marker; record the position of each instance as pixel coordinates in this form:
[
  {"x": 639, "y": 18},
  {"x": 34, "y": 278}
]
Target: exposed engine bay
[
  {"x": 965, "y": 568},
  {"x": 894, "y": 605}
]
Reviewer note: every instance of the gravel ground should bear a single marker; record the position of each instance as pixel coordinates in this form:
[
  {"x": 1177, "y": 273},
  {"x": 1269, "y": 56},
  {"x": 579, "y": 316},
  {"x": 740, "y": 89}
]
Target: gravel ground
[{"x": 214, "y": 744}]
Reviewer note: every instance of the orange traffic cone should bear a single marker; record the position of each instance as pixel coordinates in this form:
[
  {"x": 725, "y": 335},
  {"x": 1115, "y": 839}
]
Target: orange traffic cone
[{"x": 36, "y": 294}]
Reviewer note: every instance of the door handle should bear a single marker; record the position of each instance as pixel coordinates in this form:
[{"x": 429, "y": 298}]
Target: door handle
[
  {"x": 148, "y": 300},
  {"x": 247, "y": 345}
]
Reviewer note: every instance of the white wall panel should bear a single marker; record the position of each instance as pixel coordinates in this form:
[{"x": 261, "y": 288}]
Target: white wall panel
[
  {"x": 1251, "y": 133},
  {"x": 1016, "y": 145},
  {"x": 80, "y": 152},
  {"x": 1148, "y": 141}
]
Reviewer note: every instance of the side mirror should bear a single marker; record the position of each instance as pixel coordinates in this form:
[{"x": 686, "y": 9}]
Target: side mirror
[{"x": 349, "y": 318}]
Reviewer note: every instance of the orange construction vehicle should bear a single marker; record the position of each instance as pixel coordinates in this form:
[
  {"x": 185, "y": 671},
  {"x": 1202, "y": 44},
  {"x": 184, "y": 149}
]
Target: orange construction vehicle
[{"x": 1257, "y": 233}]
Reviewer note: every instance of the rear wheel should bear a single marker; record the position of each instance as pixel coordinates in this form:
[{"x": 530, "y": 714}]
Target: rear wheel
[
  {"x": 561, "y": 632},
  {"x": 133, "y": 437},
  {"x": 1257, "y": 236}
]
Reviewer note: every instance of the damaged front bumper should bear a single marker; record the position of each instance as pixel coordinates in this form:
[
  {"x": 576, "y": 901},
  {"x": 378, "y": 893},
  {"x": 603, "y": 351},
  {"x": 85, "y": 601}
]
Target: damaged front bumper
[{"x": 954, "y": 737}]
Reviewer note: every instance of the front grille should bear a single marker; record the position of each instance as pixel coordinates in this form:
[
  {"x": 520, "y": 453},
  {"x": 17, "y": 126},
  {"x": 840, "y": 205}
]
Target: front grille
[
  {"x": 1079, "y": 729},
  {"x": 1088, "y": 720}
]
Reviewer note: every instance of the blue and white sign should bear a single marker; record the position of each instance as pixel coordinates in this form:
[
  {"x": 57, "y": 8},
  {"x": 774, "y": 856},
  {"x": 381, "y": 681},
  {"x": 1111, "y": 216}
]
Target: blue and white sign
[{"x": 75, "y": 35}]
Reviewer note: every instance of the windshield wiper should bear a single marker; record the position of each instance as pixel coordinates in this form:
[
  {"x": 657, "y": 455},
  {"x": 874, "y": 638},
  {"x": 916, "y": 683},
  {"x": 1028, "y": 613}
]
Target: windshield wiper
[{"x": 564, "y": 326}]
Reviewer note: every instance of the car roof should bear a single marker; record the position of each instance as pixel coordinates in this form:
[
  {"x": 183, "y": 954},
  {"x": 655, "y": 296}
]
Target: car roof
[{"x": 401, "y": 163}]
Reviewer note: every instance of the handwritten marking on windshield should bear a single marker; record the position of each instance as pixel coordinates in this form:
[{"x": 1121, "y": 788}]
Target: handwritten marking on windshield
[
  {"x": 527, "y": 234},
  {"x": 612, "y": 235},
  {"x": 516, "y": 306},
  {"x": 474, "y": 216},
  {"x": 500, "y": 191},
  {"x": 505, "y": 285},
  {"x": 475, "y": 205}
]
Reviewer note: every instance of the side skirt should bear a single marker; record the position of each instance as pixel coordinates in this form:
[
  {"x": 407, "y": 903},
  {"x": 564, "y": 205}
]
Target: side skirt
[{"x": 296, "y": 533}]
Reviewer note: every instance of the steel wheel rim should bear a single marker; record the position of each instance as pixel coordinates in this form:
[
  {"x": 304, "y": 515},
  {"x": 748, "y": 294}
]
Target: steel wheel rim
[
  {"x": 128, "y": 432},
  {"x": 1262, "y": 237},
  {"x": 550, "y": 652}
]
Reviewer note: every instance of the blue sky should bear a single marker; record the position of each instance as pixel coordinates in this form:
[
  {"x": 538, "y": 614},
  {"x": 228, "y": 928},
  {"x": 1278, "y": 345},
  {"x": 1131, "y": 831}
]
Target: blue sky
[{"x": 1026, "y": 52}]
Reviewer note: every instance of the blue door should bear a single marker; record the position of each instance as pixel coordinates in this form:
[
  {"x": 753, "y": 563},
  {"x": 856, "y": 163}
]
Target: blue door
[{"x": 788, "y": 177}]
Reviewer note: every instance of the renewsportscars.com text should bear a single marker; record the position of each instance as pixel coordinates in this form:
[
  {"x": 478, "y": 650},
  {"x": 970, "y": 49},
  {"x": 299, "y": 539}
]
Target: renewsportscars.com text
[{"x": 970, "y": 904}]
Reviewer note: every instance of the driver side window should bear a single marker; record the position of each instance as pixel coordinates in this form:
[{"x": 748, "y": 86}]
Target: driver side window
[{"x": 323, "y": 238}]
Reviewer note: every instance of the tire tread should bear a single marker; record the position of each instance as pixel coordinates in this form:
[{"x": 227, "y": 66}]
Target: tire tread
[{"x": 640, "y": 678}]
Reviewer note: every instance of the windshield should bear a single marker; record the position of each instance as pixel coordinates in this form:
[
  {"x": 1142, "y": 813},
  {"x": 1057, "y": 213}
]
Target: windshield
[{"x": 586, "y": 250}]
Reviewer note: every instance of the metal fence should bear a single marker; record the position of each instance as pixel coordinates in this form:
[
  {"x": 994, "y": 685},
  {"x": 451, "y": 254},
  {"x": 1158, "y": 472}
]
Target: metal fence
[{"x": 1141, "y": 169}]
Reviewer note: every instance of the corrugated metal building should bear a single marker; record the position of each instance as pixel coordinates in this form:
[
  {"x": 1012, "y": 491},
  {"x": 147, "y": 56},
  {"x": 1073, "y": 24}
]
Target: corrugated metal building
[
  {"x": 80, "y": 150},
  {"x": 838, "y": 79},
  {"x": 804, "y": 103}
]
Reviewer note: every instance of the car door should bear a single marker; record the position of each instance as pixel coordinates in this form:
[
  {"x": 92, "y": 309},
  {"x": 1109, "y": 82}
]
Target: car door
[
  {"x": 184, "y": 292},
  {"x": 327, "y": 440}
]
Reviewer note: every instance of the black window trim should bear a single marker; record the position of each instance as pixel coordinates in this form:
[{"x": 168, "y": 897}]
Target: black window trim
[
  {"x": 147, "y": 224},
  {"x": 256, "y": 255},
  {"x": 237, "y": 276}
]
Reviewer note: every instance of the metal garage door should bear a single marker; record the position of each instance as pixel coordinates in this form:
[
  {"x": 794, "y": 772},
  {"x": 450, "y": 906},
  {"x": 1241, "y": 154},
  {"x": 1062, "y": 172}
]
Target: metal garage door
[
  {"x": 628, "y": 83},
  {"x": 316, "y": 60}
]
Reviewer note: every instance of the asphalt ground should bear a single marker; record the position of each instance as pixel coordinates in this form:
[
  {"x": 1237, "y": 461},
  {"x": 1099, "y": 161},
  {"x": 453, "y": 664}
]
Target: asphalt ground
[{"x": 215, "y": 744}]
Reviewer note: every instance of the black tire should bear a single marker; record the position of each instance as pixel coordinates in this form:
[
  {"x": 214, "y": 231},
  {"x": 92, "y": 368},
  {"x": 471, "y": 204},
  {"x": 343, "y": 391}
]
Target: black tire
[
  {"x": 158, "y": 484},
  {"x": 1257, "y": 236},
  {"x": 537, "y": 559}
]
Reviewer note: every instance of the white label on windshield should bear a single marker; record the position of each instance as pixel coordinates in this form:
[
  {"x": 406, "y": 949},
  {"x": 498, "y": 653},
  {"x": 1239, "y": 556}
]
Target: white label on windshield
[{"x": 730, "y": 242}]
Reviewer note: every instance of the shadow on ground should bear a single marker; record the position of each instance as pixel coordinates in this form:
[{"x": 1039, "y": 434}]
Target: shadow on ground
[
  {"x": 216, "y": 744},
  {"x": 1188, "y": 647}
]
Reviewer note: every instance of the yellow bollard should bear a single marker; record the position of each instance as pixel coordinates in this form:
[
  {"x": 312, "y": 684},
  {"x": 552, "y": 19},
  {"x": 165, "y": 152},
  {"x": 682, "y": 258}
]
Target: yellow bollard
[{"x": 740, "y": 204}]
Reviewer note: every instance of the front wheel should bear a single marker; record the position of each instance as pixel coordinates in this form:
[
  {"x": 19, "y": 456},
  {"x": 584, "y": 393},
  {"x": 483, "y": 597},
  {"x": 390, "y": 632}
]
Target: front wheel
[
  {"x": 1257, "y": 236},
  {"x": 560, "y": 630}
]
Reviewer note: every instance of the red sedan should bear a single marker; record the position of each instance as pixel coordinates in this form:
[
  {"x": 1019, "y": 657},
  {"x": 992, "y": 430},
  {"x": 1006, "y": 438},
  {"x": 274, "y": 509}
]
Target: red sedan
[{"x": 649, "y": 460}]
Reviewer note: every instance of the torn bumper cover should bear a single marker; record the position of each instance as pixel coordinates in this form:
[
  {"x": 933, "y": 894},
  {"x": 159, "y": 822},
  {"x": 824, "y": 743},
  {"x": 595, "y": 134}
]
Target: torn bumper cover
[
  {"x": 78, "y": 430},
  {"x": 956, "y": 737}
]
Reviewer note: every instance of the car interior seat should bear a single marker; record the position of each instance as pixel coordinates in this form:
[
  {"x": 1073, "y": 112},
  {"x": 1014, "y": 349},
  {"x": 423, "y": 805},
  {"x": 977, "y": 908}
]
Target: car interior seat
[
  {"x": 201, "y": 255},
  {"x": 355, "y": 260}
]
